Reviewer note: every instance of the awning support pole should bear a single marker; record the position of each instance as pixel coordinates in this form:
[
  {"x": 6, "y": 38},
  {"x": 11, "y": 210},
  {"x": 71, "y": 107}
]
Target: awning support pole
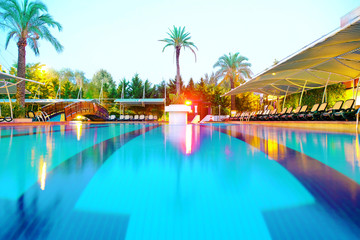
[
  {"x": 7, "y": 91},
  {"x": 302, "y": 93},
  {"x": 357, "y": 90},
  {"x": 285, "y": 97},
  {"x": 323, "y": 98}
]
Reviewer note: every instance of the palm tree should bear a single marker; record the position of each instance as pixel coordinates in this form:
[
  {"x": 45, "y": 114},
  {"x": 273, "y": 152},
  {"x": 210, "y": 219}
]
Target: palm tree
[
  {"x": 233, "y": 68},
  {"x": 27, "y": 24},
  {"x": 178, "y": 39}
]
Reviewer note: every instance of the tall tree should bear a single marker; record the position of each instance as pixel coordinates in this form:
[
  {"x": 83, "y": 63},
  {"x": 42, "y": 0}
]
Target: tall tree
[
  {"x": 136, "y": 87},
  {"x": 233, "y": 68},
  {"x": 173, "y": 84},
  {"x": 123, "y": 85},
  {"x": 178, "y": 38},
  {"x": 103, "y": 79},
  {"x": 27, "y": 22},
  {"x": 211, "y": 79},
  {"x": 190, "y": 91}
]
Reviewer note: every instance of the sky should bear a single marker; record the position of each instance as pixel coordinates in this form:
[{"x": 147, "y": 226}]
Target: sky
[{"x": 122, "y": 36}]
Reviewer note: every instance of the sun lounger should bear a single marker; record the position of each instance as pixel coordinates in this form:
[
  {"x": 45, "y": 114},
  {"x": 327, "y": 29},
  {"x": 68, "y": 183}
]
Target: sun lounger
[
  {"x": 292, "y": 116},
  {"x": 277, "y": 116},
  {"x": 347, "y": 112},
  {"x": 127, "y": 118},
  {"x": 295, "y": 115},
  {"x": 244, "y": 116},
  {"x": 303, "y": 110},
  {"x": 112, "y": 118},
  {"x": 5, "y": 119},
  {"x": 303, "y": 115},
  {"x": 265, "y": 114},
  {"x": 288, "y": 112},
  {"x": 256, "y": 115},
  {"x": 239, "y": 116},
  {"x": 121, "y": 118},
  {"x": 136, "y": 118},
  {"x": 247, "y": 117},
  {"x": 328, "y": 115},
  {"x": 317, "y": 114},
  {"x": 142, "y": 117},
  {"x": 271, "y": 114},
  {"x": 151, "y": 118},
  {"x": 236, "y": 116}
]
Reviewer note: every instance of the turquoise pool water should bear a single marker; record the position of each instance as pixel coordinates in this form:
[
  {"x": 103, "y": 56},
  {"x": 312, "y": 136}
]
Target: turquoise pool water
[{"x": 151, "y": 181}]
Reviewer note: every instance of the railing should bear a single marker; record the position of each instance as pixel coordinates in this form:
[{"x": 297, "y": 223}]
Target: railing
[
  {"x": 54, "y": 108},
  {"x": 92, "y": 110}
]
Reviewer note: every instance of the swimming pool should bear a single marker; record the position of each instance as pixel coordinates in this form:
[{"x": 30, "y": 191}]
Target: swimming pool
[{"x": 152, "y": 181}]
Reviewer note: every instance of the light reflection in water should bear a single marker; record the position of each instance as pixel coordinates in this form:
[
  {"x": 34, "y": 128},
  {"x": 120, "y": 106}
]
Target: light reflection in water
[
  {"x": 62, "y": 130},
  {"x": 78, "y": 130},
  {"x": 188, "y": 142},
  {"x": 42, "y": 173}
]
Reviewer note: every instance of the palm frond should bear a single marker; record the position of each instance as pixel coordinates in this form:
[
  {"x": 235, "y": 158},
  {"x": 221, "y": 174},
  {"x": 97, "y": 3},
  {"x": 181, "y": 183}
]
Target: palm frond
[
  {"x": 233, "y": 67},
  {"x": 179, "y": 38},
  {"x": 29, "y": 21},
  {"x": 9, "y": 36}
]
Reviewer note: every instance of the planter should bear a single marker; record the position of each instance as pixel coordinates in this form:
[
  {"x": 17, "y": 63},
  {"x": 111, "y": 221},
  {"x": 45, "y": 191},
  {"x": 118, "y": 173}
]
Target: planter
[
  {"x": 22, "y": 120},
  {"x": 177, "y": 113}
]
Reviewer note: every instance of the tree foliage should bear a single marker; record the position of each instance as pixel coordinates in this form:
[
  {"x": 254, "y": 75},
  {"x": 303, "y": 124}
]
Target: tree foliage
[
  {"x": 179, "y": 38},
  {"x": 27, "y": 23}
]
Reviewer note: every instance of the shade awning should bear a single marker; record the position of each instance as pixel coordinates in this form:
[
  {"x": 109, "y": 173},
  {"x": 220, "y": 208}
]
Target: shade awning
[
  {"x": 11, "y": 89},
  {"x": 140, "y": 101},
  {"x": 332, "y": 59}
]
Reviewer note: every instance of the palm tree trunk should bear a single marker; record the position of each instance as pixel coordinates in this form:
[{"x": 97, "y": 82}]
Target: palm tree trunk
[
  {"x": 20, "y": 93},
  {"x": 232, "y": 96},
  {"x": 177, "y": 70}
]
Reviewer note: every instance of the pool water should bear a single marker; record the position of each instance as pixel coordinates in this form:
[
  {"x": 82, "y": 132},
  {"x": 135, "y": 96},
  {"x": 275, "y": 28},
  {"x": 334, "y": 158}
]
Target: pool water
[{"x": 153, "y": 181}]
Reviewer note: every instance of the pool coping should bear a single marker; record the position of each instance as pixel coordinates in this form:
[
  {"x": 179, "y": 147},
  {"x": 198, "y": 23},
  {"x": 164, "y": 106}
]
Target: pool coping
[{"x": 322, "y": 126}]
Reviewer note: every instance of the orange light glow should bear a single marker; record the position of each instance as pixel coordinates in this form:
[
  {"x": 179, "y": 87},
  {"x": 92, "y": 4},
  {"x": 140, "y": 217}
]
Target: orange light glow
[{"x": 188, "y": 102}]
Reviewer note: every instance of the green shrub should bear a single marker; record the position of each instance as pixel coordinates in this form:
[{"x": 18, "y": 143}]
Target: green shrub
[
  {"x": 177, "y": 99},
  {"x": 335, "y": 92},
  {"x": 247, "y": 102},
  {"x": 18, "y": 110},
  {"x": 5, "y": 110}
]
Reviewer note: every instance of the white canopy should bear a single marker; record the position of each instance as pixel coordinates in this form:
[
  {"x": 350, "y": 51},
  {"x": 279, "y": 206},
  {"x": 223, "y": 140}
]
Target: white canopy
[{"x": 332, "y": 59}]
